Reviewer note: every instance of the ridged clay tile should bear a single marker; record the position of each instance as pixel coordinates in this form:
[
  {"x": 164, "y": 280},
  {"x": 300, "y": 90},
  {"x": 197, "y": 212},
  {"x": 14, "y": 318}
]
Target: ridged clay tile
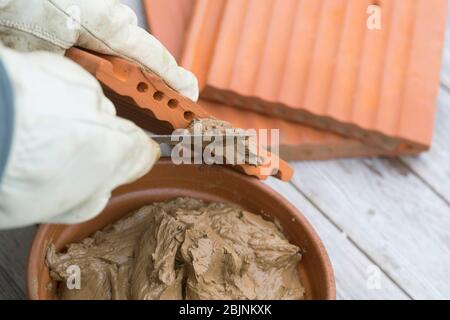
[
  {"x": 297, "y": 142},
  {"x": 169, "y": 19},
  {"x": 145, "y": 96},
  {"x": 317, "y": 62}
]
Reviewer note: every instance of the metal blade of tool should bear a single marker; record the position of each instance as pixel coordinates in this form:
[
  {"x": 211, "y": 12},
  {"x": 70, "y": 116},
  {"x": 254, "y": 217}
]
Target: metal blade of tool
[
  {"x": 173, "y": 139},
  {"x": 166, "y": 142}
]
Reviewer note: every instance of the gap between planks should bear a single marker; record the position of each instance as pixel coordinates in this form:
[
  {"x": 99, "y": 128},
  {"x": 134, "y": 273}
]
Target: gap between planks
[
  {"x": 349, "y": 263},
  {"x": 13, "y": 260},
  {"x": 433, "y": 167},
  {"x": 380, "y": 208},
  {"x": 352, "y": 241}
]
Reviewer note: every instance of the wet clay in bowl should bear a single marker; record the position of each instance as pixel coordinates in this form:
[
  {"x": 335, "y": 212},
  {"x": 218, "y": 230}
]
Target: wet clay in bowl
[{"x": 209, "y": 183}]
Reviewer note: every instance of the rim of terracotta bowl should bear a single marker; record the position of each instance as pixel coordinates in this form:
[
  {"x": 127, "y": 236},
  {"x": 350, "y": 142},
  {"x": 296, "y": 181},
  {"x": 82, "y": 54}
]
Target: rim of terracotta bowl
[{"x": 226, "y": 186}]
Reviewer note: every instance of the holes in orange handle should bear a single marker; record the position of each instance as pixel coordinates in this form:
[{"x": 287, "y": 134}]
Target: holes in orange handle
[
  {"x": 142, "y": 87},
  {"x": 188, "y": 115},
  {"x": 172, "y": 103},
  {"x": 158, "y": 95}
]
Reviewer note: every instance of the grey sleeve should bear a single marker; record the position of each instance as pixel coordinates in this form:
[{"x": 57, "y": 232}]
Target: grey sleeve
[{"x": 6, "y": 118}]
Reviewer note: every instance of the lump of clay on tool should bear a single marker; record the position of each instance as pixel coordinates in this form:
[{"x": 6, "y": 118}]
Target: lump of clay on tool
[
  {"x": 243, "y": 148},
  {"x": 182, "y": 249}
]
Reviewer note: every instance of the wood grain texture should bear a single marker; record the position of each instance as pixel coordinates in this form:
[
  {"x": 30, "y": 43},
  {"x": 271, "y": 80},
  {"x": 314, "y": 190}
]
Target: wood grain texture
[
  {"x": 391, "y": 214},
  {"x": 351, "y": 266},
  {"x": 434, "y": 166},
  {"x": 14, "y": 249}
]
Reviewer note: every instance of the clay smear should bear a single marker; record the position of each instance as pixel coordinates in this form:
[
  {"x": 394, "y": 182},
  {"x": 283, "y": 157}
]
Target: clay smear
[
  {"x": 240, "y": 150},
  {"x": 182, "y": 249}
]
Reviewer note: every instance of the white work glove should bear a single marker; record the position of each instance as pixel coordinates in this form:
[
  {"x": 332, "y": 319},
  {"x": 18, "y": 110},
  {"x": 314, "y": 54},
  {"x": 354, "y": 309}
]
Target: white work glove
[
  {"x": 105, "y": 26},
  {"x": 69, "y": 150}
]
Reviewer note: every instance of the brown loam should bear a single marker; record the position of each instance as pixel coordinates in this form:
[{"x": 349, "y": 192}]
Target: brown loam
[{"x": 182, "y": 249}]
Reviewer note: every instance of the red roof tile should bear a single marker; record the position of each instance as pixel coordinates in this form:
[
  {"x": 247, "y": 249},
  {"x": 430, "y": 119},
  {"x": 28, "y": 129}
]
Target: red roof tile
[{"x": 316, "y": 62}]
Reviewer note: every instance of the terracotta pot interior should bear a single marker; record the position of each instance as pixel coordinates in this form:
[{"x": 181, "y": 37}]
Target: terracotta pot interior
[{"x": 209, "y": 183}]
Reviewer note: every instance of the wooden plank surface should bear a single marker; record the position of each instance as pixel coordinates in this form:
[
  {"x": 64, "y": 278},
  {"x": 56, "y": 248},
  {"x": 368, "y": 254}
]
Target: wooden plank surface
[
  {"x": 14, "y": 250},
  {"x": 434, "y": 166},
  {"x": 352, "y": 268},
  {"x": 396, "y": 219}
]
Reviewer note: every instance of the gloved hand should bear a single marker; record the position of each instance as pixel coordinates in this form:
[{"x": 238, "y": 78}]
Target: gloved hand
[
  {"x": 104, "y": 26},
  {"x": 69, "y": 150}
]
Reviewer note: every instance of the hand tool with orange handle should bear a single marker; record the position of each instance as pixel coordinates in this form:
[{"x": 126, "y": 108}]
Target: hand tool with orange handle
[{"x": 153, "y": 99}]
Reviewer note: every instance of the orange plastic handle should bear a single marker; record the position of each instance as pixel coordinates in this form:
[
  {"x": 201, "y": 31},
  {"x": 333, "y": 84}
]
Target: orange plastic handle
[{"x": 151, "y": 93}]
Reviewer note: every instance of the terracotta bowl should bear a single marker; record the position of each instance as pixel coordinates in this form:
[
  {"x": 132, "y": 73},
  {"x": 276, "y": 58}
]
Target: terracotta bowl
[{"x": 210, "y": 183}]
